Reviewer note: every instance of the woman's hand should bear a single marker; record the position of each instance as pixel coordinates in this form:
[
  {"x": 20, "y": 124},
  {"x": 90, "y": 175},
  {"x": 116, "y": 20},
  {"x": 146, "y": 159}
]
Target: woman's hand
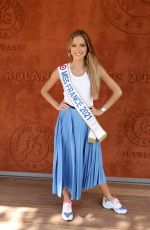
[
  {"x": 63, "y": 106},
  {"x": 96, "y": 112}
]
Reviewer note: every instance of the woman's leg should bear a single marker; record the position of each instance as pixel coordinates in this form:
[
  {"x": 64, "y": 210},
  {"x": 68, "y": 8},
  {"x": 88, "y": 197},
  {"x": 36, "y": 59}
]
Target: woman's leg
[
  {"x": 105, "y": 190},
  {"x": 66, "y": 194}
]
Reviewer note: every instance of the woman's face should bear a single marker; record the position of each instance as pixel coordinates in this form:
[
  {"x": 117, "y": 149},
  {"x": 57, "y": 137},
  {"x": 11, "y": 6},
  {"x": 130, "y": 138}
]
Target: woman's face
[{"x": 78, "y": 48}]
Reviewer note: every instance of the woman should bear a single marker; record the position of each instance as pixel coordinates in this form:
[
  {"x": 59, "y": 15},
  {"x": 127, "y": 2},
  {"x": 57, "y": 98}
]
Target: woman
[{"x": 77, "y": 163}]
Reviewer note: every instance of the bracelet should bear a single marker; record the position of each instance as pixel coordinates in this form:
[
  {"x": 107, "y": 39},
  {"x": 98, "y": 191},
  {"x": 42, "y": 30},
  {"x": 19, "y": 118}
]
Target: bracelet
[{"x": 103, "y": 109}]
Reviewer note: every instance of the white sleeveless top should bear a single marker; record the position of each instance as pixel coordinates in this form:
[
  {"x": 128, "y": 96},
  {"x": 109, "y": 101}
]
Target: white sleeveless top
[{"x": 82, "y": 85}]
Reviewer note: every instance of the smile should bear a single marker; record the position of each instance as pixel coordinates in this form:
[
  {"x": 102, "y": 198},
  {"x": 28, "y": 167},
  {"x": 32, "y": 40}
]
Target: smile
[{"x": 78, "y": 54}]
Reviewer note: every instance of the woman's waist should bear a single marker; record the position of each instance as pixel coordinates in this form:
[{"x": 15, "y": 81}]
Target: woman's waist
[
  {"x": 89, "y": 103},
  {"x": 73, "y": 107},
  {"x": 88, "y": 100}
]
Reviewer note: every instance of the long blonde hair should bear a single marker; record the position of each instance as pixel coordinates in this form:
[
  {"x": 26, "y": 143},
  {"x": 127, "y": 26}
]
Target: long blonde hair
[{"x": 91, "y": 62}]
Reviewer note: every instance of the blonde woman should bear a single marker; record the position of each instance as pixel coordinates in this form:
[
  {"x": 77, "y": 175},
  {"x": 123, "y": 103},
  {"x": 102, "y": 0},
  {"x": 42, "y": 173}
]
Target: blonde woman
[{"x": 78, "y": 164}]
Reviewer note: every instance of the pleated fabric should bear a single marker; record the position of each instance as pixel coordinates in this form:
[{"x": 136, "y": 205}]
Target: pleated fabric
[{"x": 77, "y": 164}]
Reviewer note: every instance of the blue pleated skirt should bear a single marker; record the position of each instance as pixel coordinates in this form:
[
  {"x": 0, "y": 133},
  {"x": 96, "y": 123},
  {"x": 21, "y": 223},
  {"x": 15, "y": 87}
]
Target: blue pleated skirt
[{"x": 77, "y": 164}]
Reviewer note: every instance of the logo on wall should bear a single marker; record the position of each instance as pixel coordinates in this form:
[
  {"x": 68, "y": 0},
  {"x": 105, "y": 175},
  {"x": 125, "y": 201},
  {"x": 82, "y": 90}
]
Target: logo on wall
[
  {"x": 128, "y": 15},
  {"x": 11, "y": 18},
  {"x": 137, "y": 128},
  {"x": 32, "y": 147}
]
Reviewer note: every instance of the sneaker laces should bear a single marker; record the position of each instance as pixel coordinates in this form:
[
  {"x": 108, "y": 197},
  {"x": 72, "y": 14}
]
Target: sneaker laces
[
  {"x": 115, "y": 201},
  {"x": 67, "y": 206}
]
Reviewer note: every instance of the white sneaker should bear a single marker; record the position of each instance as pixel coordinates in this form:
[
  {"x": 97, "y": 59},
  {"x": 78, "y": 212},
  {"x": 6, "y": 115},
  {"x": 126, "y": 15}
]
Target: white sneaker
[
  {"x": 115, "y": 205},
  {"x": 67, "y": 213}
]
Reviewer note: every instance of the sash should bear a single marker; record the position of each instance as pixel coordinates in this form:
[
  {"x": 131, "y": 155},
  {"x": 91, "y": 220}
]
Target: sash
[{"x": 96, "y": 131}]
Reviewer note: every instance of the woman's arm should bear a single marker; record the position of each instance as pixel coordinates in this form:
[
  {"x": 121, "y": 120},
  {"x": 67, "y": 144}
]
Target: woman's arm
[
  {"x": 114, "y": 87},
  {"x": 47, "y": 87}
]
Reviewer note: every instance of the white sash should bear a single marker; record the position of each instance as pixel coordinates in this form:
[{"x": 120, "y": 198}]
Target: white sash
[{"x": 96, "y": 131}]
